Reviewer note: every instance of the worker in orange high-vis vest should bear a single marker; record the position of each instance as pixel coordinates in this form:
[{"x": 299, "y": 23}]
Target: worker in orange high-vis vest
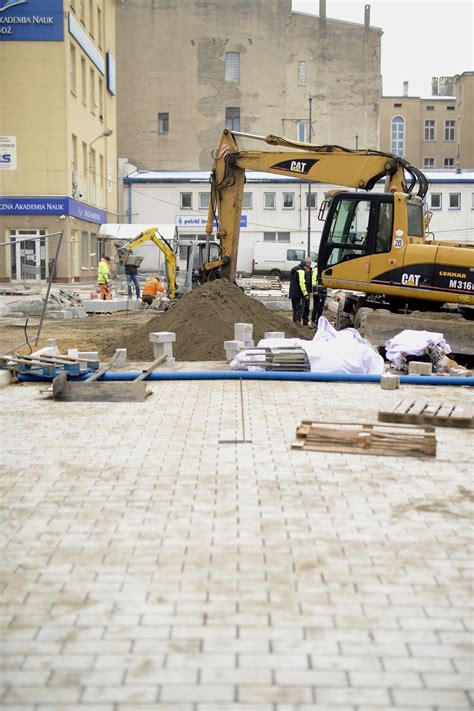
[{"x": 150, "y": 290}]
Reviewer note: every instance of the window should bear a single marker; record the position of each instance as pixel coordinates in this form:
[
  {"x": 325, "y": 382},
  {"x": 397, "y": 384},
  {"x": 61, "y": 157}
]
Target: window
[
  {"x": 430, "y": 108},
  {"x": 82, "y": 11},
  {"x": 203, "y": 201},
  {"x": 232, "y": 118},
  {"x": 232, "y": 67},
  {"x": 430, "y": 125},
  {"x": 398, "y": 136},
  {"x": 74, "y": 153},
  {"x": 186, "y": 200},
  {"x": 269, "y": 201},
  {"x": 311, "y": 197},
  {"x": 449, "y": 108},
  {"x": 84, "y": 159},
  {"x": 99, "y": 27},
  {"x": 415, "y": 220},
  {"x": 83, "y": 82},
  {"x": 295, "y": 255},
  {"x": 91, "y": 18},
  {"x": 397, "y": 106},
  {"x": 383, "y": 238},
  {"x": 92, "y": 90},
  {"x": 448, "y": 162},
  {"x": 428, "y": 162},
  {"x": 301, "y": 73},
  {"x": 288, "y": 201},
  {"x": 301, "y": 131},
  {"x": 454, "y": 201},
  {"x": 101, "y": 98},
  {"x": 449, "y": 130},
  {"x": 276, "y": 237},
  {"x": 349, "y": 230},
  {"x": 436, "y": 201},
  {"x": 72, "y": 69},
  {"x": 247, "y": 202},
  {"x": 163, "y": 123}
]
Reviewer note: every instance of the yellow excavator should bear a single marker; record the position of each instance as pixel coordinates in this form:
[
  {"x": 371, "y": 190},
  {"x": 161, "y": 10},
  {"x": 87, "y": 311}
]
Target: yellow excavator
[
  {"x": 153, "y": 234},
  {"x": 375, "y": 247}
]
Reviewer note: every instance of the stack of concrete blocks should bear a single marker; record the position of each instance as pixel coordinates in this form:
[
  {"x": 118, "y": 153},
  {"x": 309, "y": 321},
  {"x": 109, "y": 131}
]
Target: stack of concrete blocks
[
  {"x": 98, "y": 306},
  {"x": 232, "y": 348},
  {"x": 162, "y": 342},
  {"x": 67, "y": 313},
  {"x": 244, "y": 332},
  {"x": 274, "y": 334}
]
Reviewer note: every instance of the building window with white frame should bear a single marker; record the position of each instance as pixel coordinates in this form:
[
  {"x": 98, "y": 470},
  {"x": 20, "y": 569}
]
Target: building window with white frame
[
  {"x": 310, "y": 200},
  {"x": 454, "y": 201},
  {"x": 203, "y": 201},
  {"x": 91, "y": 18},
  {"x": 398, "y": 136},
  {"x": 301, "y": 131},
  {"x": 83, "y": 81},
  {"x": 92, "y": 90},
  {"x": 72, "y": 61},
  {"x": 232, "y": 118},
  {"x": 428, "y": 162},
  {"x": 449, "y": 127},
  {"x": 301, "y": 73},
  {"x": 276, "y": 236},
  {"x": 288, "y": 201},
  {"x": 247, "y": 201},
  {"x": 163, "y": 123},
  {"x": 269, "y": 201},
  {"x": 436, "y": 201},
  {"x": 186, "y": 201},
  {"x": 448, "y": 162},
  {"x": 101, "y": 99},
  {"x": 99, "y": 27},
  {"x": 430, "y": 130},
  {"x": 232, "y": 67}
]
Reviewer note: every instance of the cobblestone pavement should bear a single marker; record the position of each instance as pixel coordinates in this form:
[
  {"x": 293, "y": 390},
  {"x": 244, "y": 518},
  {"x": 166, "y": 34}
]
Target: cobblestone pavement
[{"x": 147, "y": 564}]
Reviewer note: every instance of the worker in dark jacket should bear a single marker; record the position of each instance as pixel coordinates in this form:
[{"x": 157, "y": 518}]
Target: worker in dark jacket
[
  {"x": 319, "y": 297},
  {"x": 131, "y": 272},
  {"x": 299, "y": 293}
]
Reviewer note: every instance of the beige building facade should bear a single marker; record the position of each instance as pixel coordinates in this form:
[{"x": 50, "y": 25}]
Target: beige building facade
[
  {"x": 58, "y": 158},
  {"x": 434, "y": 133},
  {"x": 188, "y": 69}
]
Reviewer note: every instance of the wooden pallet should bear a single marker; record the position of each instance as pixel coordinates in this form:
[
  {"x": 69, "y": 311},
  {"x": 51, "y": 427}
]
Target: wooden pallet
[
  {"x": 421, "y": 412},
  {"x": 366, "y": 438}
]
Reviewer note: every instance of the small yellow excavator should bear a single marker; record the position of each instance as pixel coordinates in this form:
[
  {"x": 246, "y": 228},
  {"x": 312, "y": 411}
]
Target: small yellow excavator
[
  {"x": 162, "y": 243},
  {"x": 375, "y": 247}
]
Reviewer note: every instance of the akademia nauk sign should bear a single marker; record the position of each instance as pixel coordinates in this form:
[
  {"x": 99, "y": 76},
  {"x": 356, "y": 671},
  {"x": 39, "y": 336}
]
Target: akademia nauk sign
[{"x": 31, "y": 20}]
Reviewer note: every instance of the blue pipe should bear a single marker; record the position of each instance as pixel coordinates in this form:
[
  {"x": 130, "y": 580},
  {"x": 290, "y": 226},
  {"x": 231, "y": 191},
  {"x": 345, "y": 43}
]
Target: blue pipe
[{"x": 261, "y": 375}]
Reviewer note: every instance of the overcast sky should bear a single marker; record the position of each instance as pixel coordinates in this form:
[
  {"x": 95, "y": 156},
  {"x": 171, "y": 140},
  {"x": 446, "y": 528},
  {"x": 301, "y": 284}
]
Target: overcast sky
[{"x": 421, "y": 38}]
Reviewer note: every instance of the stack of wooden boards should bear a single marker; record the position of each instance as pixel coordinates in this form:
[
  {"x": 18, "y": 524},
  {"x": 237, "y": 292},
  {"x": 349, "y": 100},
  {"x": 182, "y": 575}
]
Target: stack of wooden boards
[{"x": 366, "y": 438}]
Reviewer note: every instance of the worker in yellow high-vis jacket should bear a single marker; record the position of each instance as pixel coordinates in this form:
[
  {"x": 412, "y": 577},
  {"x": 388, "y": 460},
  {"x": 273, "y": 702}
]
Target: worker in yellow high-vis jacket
[
  {"x": 299, "y": 293},
  {"x": 103, "y": 278}
]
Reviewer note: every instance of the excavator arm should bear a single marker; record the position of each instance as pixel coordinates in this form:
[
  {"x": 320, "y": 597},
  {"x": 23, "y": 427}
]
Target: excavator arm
[
  {"x": 359, "y": 169},
  {"x": 163, "y": 245}
]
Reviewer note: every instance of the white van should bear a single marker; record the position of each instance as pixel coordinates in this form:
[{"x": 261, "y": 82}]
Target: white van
[{"x": 278, "y": 258}]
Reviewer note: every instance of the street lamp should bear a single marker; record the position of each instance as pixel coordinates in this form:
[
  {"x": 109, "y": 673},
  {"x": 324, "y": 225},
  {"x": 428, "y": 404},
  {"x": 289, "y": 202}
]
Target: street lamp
[
  {"x": 105, "y": 134},
  {"x": 310, "y": 99}
]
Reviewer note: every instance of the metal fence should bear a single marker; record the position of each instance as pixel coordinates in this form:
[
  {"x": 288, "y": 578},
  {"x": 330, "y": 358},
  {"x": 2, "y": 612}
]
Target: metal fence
[{"x": 26, "y": 275}]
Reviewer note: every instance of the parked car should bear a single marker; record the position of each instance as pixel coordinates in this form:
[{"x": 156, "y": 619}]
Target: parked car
[{"x": 278, "y": 258}]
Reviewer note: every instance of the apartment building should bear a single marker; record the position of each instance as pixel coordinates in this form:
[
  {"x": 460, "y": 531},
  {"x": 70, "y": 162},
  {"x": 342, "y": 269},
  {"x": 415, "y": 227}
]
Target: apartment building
[
  {"x": 432, "y": 133},
  {"x": 188, "y": 69},
  {"x": 58, "y": 134}
]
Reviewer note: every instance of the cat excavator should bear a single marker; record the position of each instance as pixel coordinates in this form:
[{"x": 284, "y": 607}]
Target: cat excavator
[{"x": 375, "y": 247}]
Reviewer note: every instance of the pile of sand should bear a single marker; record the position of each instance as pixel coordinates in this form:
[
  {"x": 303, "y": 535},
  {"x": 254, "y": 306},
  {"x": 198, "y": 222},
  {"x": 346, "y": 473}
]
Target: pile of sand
[{"x": 202, "y": 320}]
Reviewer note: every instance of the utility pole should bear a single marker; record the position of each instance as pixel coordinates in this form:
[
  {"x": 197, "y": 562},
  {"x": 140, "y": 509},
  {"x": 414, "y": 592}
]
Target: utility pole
[{"x": 309, "y": 185}]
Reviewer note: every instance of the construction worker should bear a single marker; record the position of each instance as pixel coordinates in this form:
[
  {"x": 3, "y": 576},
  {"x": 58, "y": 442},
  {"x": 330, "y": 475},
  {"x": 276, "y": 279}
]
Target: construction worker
[
  {"x": 103, "y": 278},
  {"x": 299, "y": 293},
  {"x": 319, "y": 297},
  {"x": 131, "y": 272},
  {"x": 151, "y": 288}
]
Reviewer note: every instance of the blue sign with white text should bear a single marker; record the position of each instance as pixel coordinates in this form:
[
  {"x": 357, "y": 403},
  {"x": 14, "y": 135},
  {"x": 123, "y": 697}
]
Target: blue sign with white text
[
  {"x": 51, "y": 206},
  {"x": 31, "y": 20}
]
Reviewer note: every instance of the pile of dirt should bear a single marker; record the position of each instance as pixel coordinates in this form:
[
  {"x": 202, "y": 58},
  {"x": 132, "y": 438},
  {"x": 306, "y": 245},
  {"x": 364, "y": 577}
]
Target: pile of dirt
[{"x": 202, "y": 320}]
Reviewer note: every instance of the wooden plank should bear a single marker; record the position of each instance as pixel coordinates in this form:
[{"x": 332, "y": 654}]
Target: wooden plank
[
  {"x": 441, "y": 415},
  {"x": 445, "y": 410},
  {"x": 417, "y": 407}
]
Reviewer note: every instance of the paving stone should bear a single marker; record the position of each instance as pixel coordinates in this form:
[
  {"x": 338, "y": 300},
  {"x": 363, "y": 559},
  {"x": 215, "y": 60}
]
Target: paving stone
[{"x": 167, "y": 569}]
